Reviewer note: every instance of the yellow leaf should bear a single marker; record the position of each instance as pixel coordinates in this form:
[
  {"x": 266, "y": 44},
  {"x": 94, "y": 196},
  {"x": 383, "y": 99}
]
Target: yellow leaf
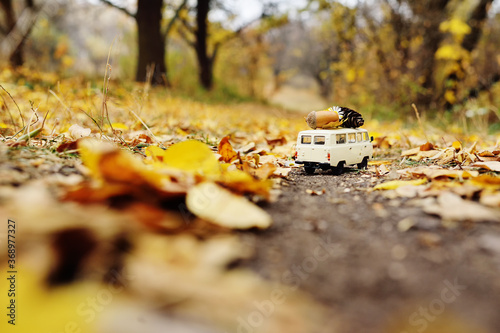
[
  {"x": 380, "y": 162},
  {"x": 219, "y": 206},
  {"x": 394, "y": 184},
  {"x": 91, "y": 152},
  {"x": 449, "y": 52},
  {"x": 60, "y": 309},
  {"x": 455, "y": 26},
  {"x": 119, "y": 126},
  {"x": 241, "y": 182},
  {"x": 112, "y": 165},
  {"x": 191, "y": 156},
  {"x": 457, "y": 145}
]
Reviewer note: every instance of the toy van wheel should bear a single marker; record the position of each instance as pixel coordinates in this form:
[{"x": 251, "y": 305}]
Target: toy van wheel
[
  {"x": 309, "y": 169},
  {"x": 363, "y": 164},
  {"x": 339, "y": 168}
]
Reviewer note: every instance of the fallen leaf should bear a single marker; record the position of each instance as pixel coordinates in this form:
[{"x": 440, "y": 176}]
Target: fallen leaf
[
  {"x": 226, "y": 150},
  {"x": 77, "y": 132},
  {"x": 263, "y": 172},
  {"x": 282, "y": 172},
  {"x": 427, "y": 146},
  {"x": 243, "y": 183},
  {"x": 486, "y": 153},
  {"x": 382, "y": 170},
  {"x": 247, "y": 148},
  {"x": 379, "y": 162},
  {"x": 410, "y": 152},
  {"x": 434, "y": 172},
  {"x": 452, "y": 207},
  {"x": 219, "y": 206},
  {"x": 429, "y": 239},
  {"x": 276, "y": 142},
  {"x": 487, "y": 182},
  {"x": 313, "y": 192},
  {"x": 70, "y": 145},
  {"x": 490, "y": 165},
  {"x": 406, "y": 224},
  {"x": 490, "y": 199},
  {"x": 191, "y": 156},
  {"x": 394, "y": 184}
]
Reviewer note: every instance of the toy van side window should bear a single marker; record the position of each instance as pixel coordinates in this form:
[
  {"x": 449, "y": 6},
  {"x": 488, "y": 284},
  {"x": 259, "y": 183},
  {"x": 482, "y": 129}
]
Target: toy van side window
[
  {"x": 360, "y": 137},
  {"x": 319, "y": 140},
  {"x": 365, "y": 134},
  {"x": 305, "y": 139},
  {"x": 340, "y": 138},
  {"x": 352, "y": 137}
]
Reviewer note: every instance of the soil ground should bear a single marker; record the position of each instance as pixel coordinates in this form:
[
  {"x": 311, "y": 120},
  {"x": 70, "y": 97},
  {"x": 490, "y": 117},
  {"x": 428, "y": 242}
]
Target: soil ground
[{"x": 349, "y": 249}]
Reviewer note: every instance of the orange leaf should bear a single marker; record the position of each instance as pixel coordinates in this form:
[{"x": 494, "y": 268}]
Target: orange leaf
[
  {"x": 226, "y": 150},
  {"x": 426, "y": 146},
  {"x": 262, "y": 173}
]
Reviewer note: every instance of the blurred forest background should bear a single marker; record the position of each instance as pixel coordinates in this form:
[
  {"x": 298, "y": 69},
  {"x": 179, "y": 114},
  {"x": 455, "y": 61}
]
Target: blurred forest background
[{"x": 377, "y": 56}]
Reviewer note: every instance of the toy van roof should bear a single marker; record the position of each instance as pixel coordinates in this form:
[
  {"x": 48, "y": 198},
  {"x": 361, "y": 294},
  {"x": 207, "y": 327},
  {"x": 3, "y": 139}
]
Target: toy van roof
[{"x": 333, "y": 131}]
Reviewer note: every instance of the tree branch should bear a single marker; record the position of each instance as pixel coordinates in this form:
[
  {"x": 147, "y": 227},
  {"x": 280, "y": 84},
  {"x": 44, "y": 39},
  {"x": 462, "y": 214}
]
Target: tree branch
[
  {"x": 173, "y": 19},
  {"x": 186, "y": 25},
  {"x": 237, "y": 32},
  {"x": 186, "y": 38},
  {"x": 122, "y": 9}
]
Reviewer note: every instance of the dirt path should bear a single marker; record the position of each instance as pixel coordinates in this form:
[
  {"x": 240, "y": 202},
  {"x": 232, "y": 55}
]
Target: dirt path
[
  {"x": 348, "y": 249},
  {"x": 298, "y": 99}
]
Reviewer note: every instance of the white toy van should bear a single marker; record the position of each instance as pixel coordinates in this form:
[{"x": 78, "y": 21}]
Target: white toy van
[{"x": 333, "y": 149}]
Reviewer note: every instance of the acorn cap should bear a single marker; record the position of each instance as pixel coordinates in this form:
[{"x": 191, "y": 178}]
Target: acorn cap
[{"x": 311, "y": 119}]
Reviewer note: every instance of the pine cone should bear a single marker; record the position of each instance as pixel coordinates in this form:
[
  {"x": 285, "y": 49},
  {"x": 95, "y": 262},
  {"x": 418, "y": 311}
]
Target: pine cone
[{"x": 350, "y": 118}]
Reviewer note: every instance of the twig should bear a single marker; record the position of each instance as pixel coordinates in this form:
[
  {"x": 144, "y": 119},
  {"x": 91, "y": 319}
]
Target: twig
[
  {"x": 122, "y": 9},
  {"x": 173, "y": 19},
  {"x": 105, "y": 88},
  {"x": 149, "y": 130},
  {"x": 420, "y": 121},
  {"x": 6, "y": 107},
  {"x": 60, "y": 101},
  {"x": 12, "y": 98},
  {"x": 33, "y": 133}
]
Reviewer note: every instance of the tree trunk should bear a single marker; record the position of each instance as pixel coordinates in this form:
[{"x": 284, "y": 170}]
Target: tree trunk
[
  {"x": 16, "y": 59},
  {"x": 151, "y": 42},
  {"x": 205, "y": 61},
  {"x": 432, "y": 37}
]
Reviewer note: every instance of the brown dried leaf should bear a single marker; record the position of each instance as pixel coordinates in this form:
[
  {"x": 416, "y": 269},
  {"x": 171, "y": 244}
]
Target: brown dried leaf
[
  {"x": 452, "y": 207},
  {"x": 261, "y": 173},
  {"x": 313, "y": 192},
  {"x": 226, "y": 150},
  {"x": 490, "y": 165},
  {"x": 427, "y": 146}
]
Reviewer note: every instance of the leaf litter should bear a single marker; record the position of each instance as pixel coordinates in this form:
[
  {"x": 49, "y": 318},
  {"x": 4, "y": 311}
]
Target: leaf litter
[
  {"x": 173, "y": 196},
  {"x": 124, "y": 184}
]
